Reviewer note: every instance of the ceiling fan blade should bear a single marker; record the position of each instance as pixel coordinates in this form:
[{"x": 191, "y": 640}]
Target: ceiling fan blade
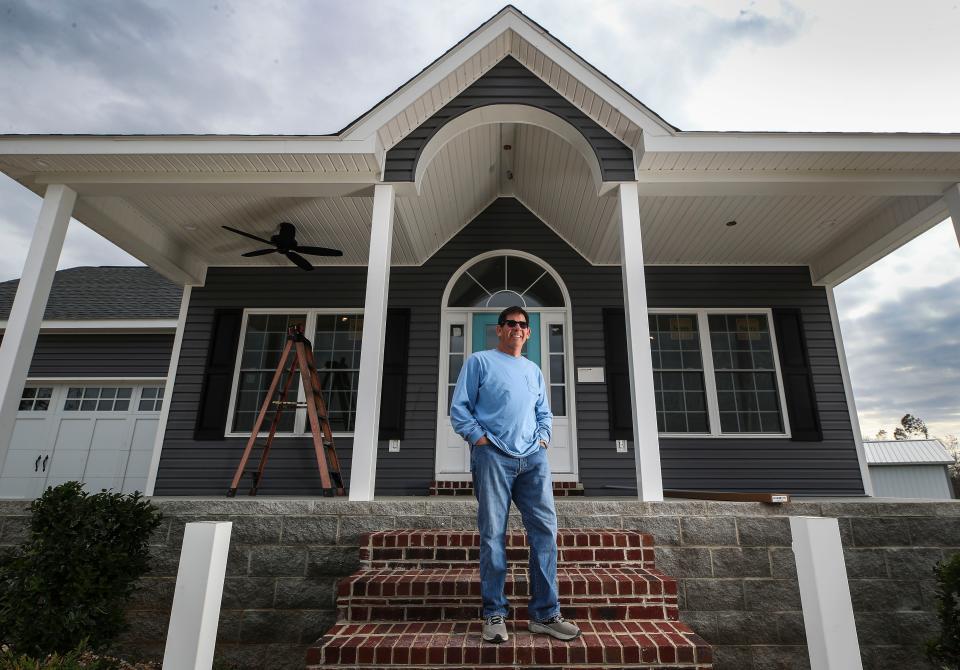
[
  {"x": 319, "y": 251},
  {"x": 259, "y": 252},
  {"x": 301, "y": 262},
  {"x": 252, "y": 237}
]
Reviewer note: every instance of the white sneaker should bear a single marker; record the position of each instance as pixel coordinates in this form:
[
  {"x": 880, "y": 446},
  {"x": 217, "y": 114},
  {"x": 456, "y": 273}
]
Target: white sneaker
[
  {"x": 495, "y": 629},
  {"x": 556, "y": 627}
]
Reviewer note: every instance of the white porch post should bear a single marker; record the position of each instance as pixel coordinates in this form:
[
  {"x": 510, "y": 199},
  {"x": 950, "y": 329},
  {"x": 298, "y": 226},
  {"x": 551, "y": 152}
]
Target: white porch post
[
  {"x": 23, "y": 326},
  {"x": 952, "y": 198},
  {"x": 646, "y": 442},
  {"x": 848, "y": 394},
  {"x": 363, "y": 469}
]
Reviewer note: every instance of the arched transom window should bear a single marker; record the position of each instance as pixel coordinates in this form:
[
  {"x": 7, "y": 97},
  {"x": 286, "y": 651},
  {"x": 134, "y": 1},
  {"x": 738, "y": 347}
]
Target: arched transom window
[{"x": 502, "y": 281}]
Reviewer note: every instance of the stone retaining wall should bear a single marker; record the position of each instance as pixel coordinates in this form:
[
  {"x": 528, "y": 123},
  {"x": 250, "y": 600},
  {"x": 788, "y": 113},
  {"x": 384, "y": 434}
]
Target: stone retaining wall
[{"x": 738, "y": 585}]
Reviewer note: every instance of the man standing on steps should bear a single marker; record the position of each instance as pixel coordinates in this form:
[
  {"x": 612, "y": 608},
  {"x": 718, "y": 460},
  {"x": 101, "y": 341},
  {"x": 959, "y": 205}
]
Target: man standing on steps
[{"x": 500, "y": 408}]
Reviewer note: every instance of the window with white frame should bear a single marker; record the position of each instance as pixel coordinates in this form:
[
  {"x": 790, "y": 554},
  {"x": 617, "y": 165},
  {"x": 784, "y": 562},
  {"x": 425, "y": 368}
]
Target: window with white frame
[
  {"x": 336, "y": 349},
  {"x": 716, "y": 373},
  {"x": 678, "y": 379},
  {"x": 35, "y": 399},
  {"x": 151, "y": 399},
  {"x": 336, "y": 341},
  {"x": 98, "y": 399}
]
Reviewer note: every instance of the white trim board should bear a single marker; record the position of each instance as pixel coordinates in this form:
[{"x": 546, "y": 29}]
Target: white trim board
[
  {"x": 168, "y": 393},
  {"x": 105, "y": 325}
]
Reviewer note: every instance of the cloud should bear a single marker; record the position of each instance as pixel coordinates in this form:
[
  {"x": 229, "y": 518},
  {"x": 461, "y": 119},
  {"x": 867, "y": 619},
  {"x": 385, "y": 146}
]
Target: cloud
[
  {"x": 18, "y": 215},
  {"x": 904, "y": 356}
]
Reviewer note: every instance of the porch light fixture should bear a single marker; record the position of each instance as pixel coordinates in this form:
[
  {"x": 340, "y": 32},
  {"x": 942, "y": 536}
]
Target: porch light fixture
[{"x": 731, "y": 223}]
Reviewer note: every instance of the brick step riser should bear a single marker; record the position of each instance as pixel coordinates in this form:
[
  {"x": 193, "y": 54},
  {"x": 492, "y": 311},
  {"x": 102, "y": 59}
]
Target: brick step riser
[
  {"x": 358, "y": 612},
  {"x": 387, "y": 557},
  {"x": 514, "y": 539},
  {"x": 457, "y": 586}
]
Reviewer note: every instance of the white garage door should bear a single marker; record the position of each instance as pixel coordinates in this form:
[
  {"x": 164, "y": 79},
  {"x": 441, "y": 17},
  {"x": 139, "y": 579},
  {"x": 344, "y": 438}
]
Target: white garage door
[{"x": 99, "y": 433}]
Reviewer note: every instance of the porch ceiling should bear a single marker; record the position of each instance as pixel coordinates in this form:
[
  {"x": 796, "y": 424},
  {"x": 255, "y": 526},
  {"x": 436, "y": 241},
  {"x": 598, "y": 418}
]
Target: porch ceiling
[{"x": 166, "y": 206}]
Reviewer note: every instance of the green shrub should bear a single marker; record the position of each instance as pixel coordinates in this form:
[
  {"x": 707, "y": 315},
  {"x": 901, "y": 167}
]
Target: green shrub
[
  {"x": 69, "y": 582},
  {"x": 945, "y": 650}
]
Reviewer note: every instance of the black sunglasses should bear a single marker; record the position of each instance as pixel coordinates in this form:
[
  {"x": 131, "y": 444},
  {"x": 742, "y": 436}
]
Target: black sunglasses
[{"x": 511, "y": 324}]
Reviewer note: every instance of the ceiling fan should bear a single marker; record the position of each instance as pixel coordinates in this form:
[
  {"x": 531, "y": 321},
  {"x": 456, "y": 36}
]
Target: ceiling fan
[{"x": 284, "y": 241}]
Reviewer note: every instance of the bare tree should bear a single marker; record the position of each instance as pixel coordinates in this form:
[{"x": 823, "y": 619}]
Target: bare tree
[{"x": 910, "y": 427}]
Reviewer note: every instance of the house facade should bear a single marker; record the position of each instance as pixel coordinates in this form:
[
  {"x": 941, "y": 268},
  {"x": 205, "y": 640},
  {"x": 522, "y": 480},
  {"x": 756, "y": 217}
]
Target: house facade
[{"x": 680, "y": 284}]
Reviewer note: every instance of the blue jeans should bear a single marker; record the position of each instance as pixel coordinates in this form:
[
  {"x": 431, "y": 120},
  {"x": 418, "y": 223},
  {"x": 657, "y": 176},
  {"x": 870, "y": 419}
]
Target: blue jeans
[{"x": 498, "y": 478}]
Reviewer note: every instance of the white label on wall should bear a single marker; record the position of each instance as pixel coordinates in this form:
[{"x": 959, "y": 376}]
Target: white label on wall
[{"x": 590, "y": 375}]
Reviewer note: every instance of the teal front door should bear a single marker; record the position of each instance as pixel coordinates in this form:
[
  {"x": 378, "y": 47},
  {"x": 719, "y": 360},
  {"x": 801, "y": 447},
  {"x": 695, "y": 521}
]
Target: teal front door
[{"x": 485, "y": 335}]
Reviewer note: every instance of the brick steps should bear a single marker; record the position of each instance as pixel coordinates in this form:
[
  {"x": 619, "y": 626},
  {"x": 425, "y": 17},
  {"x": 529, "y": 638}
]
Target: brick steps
[
  {"x": 452, "y": 549},
  {"x": 465, "y": 488},
  {"x": 454, "y": 594},
  {"x": 648, "y": 644},
  {"x": 415, "y": 603}
]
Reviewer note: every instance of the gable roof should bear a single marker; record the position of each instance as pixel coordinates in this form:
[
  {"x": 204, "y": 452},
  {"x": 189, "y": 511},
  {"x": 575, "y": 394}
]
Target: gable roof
[
  {"x": 100, "y": 293},
  {"x": 901, "y": 452},
  {"x": 529, "y": 42}
]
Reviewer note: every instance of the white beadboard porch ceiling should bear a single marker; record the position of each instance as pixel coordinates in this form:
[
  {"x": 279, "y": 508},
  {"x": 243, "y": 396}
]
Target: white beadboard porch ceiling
[{"x": 550, "y": 178}]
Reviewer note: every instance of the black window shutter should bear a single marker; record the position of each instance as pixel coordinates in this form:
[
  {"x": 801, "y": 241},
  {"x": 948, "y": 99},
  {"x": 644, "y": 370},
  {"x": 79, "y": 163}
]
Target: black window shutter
[
  {"x": 218, "y": 375},
  {"x": 393, "y": 393},
  {"x": 797, "y": 377},
  {"x": 619, "y": 405}
]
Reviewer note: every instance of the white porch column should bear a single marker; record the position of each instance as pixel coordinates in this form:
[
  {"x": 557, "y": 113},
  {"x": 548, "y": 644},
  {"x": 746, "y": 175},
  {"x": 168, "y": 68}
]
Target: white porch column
[
  {"x": 825, "y": 594},
  {"x": 848, "y": 394},
  {"x": 952, "y": 198},
  {"x": 363, "y": 469},
  {"x": 23, "y": 326},
  {"x": 195, "y": 615},
  {"x": 646, "y": 442}
]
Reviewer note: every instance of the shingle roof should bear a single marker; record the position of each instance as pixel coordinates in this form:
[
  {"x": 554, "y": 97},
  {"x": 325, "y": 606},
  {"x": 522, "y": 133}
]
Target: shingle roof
[
  {"x": 104, "y": 293},
  {"x": 896, "y": 452}
]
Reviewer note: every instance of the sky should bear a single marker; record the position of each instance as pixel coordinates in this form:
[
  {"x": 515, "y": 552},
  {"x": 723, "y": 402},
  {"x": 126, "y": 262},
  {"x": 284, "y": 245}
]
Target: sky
[{"x": 311, "y": 67}]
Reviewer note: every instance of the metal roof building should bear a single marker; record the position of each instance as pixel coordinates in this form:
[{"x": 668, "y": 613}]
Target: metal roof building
[{"x": 909, "y": 469}]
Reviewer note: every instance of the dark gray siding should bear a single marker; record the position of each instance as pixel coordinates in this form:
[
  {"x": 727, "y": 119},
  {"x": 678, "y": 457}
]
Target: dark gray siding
[
  {"x": 101, "y": 355},
  {"x": 509, "y": 82},
  {"x": 189, "y": 467}
]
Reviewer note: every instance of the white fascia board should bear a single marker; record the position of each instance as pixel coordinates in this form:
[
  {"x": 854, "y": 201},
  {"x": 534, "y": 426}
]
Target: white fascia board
[
  {"x": 862, "y": 248},
  {"x": 105, "y": 325},
  {"x": 793, "y": 182},
  {"x": 508, "y": 19},
  {"x": 738, "y": 142},
  {"x": 200, "y": 144},
  {"x": 593, "y": 79},
  {"x": 366, "y": 126},
  {"x": 267, "y": 184}
]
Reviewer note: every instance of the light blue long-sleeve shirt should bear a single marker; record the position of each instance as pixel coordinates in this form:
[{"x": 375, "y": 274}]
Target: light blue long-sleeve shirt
[{"x": 505, "y": 398}]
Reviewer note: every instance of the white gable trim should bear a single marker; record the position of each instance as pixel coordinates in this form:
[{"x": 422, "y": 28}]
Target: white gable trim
[{"x": 509, "y": 19}]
